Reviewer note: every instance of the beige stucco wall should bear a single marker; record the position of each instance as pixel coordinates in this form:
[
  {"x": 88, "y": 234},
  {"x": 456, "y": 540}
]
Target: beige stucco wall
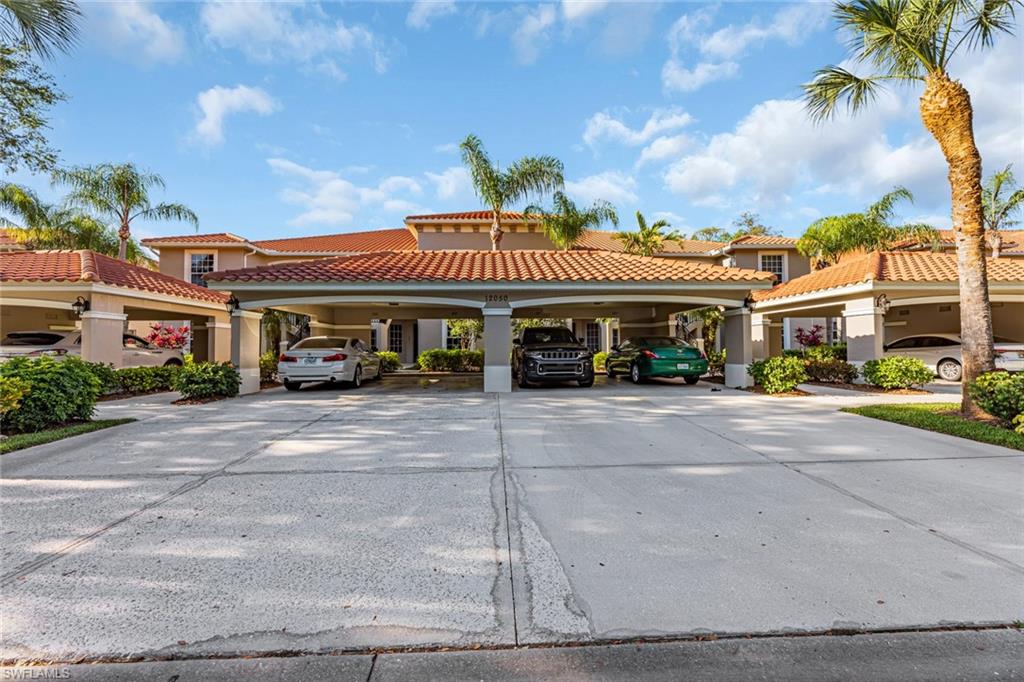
[
  {"x": 796, "y": 264},
  {"x": 172, "y": 259},
  {"x": 944, "y": 318},
  {"x": 23, "y": 319}
]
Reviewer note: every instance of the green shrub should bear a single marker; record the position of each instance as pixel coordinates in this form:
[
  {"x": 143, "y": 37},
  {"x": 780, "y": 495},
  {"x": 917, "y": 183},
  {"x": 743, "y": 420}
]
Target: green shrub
[
  {"x": 268, "y": 367},
  {"x": 1001, "y": 395},
  {"x": 208, "y": 380},
  {"x": 599, "y": 359},
  {"x": 457, "y": 360},
  {"x": 59, "y": 391},
  {"x": 716, "y": 362},
  {"x": 836, "y": 351},
  {"x": 135, "y": 380},
  {"x": 12, "y": 391},
  {"x": 778, "y": 375},
  {"x": 1018, "y": 423},
  {"x": 897, "y": 372},
  {"x": 390, "y": 360},
  {"x": 831, "y": 370},
  {"x": 107, "y": 376}
]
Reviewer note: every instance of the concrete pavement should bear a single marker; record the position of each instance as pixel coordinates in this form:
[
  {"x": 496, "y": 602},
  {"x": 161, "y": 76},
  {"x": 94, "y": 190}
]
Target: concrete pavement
[{"x": 417, "y": 514}]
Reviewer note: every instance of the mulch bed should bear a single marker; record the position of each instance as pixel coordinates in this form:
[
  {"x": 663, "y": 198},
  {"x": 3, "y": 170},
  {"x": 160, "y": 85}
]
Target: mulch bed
[
  {"x": 868, "y": 388},
  {"x": 122, "y": 396},
  {"x": 787, "y": 394},
  {"x": 197, "y": 401}
]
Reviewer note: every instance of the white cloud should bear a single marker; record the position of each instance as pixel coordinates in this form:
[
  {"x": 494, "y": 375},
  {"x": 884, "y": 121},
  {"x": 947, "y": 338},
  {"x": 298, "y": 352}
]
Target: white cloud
[
  {"x": 575, "y": 10},
  {"x": 532, "y": 33},
  {"x": 677, "y": 78},
  {"x": 423, "y": 12},
  {"x": 326, "y": 198},
  {"x": 273, "y": 31},
  {"x": 451, "y": 183},
  {"x": 133, "y": 28},
  {"x": 219, "y": 102},
  {"x": 664, "y": 148},
  {"x": 674, "y": 219},
  {"x": 604, "y": 126},
  {"x": 610, "y": 186},
  {"x": 446, "y": 148},
  {"x": 720, "y": 50}
]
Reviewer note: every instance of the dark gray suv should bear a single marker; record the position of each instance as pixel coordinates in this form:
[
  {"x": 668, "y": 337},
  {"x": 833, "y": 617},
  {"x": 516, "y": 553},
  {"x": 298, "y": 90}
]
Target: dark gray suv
[{"x": 548, "y": 354}]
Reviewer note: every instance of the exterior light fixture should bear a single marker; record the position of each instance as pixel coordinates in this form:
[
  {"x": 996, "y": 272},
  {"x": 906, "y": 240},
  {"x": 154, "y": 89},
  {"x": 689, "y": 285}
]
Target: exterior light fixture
[
  {"x": 80, "y": 306},
  {"x": 884, "y": 303},
  {"x": 233, "y": 303}
]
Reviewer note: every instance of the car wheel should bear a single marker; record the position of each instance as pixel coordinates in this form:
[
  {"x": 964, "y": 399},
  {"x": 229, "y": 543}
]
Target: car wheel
[
  {"x": 608, "y": 371},
  {"x": 292, "y": 385},
  {"x": 634, "y": 374},
  {"x": 586, "y": 383},
  {"x": 691, "y": 380},
  {"x": 521, "y": 380},
  {"x": 357, "y": 377},
  {"x": 950, "y": 370},
  {"x": 172, "y": 363},
  {"x": 380, "y": 371}
]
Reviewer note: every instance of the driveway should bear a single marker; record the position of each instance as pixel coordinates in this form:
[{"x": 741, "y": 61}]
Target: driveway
[{"x": 423, "y": 513}]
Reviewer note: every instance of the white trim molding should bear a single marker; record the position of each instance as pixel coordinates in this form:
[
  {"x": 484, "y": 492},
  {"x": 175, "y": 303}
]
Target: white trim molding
[
  {"x": 357, "y": 298},
  {"x": 218, "y": 325},
  {"x": 250, "y": 314},
  {"x": 103, "y": 315},
  {"x": 626, "y": 298},
  {"x": 36, "y": 303},
  {"x": 496, "y": 312}
]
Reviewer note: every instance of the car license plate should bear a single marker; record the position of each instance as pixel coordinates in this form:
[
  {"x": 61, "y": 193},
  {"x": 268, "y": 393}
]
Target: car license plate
[
  {"x": 310, "y": 361},
  {"x": 682, "y": 365}
]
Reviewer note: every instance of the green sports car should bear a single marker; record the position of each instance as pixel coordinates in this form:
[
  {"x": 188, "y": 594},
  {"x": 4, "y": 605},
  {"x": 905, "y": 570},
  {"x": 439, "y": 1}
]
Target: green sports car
[{"x": 643, "y": 357}]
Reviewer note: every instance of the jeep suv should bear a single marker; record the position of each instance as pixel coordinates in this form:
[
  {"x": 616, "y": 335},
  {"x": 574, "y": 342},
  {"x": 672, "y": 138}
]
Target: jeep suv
[{"x": 546, "y": 354}]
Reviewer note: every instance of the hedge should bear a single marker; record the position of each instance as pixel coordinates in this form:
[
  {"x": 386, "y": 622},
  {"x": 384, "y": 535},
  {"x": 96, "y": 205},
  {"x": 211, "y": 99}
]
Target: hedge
[
  {"x": 204, "y": 380},
  {"x": 779, "y": 374},
  {"x": 600, "y": 358},
  {"x": 268, "y": 367},
  {"x": 834, "y": 371},
  {"x": 1001, "y": 395},
  {"x": 390, "y": 360},
  {"x": 59, "y": 391},
  {"x": 897, "y": 371},
  {"x": 456, "y": 360}
]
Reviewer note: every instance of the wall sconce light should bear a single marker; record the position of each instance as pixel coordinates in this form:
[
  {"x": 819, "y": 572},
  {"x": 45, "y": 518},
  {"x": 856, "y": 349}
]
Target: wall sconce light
[
  {"x": 233, "y": 303},
  {"x": 883, "y": 302},
  {"x": 80, "y": 306}
]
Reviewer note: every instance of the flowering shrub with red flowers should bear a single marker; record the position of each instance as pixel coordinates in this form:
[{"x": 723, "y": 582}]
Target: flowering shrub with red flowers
[
  {"x": 809, "y": 338},
  {"x": 168, "y": 336}
]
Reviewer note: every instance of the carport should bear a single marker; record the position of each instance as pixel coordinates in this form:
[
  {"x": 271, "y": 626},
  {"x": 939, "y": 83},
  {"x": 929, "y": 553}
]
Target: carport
[
  {"x": 883, "y": 296},
  {"x": 342, "y": 295},
  {"x": 40, "y": 290}
]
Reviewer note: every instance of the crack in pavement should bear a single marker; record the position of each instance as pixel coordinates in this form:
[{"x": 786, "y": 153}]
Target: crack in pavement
[
  {"x": 508, "y": 531},
  {"x": 48, "y": 558}
]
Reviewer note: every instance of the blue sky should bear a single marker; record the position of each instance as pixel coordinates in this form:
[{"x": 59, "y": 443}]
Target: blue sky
[{"x": 288, "y": 119}]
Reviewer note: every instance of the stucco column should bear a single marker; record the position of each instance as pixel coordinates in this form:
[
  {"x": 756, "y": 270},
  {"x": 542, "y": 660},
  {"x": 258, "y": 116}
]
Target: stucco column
[
  {"x": 760, "y": 335},
  {"x": 218, "y": 340},
  {"x": 245, "y": 348},
  {"x": 738, "y": 347},
  {"x": 103, "y": 336},
  {"x": 864, "y": 331},
  {"x": 497, "y": 349}
]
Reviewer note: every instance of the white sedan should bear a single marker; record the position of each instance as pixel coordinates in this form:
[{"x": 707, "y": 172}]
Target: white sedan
[
  {"x": 941, "y": 352},
  {"x": 135, "y": 351},
  {"x": 328, "y": 358}
]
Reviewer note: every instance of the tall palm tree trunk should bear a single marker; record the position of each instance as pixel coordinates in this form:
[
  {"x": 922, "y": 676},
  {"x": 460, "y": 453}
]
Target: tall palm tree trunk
[
  {"x": 124, "y": 234},
  {"x": 947, "y": 114}
]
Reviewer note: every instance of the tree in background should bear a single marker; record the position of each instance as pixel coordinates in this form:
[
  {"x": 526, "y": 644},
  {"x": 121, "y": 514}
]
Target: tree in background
[
  {"x": 121, "y": 192},
  {"x": 466, "y": 331},
  {"x": 499, "y": 189},
  {"x": 749, "y": 225},
  {"x": 38, "y": 225},
  {"x": 646, "y": 240},
  {"x": 565, "y": 224},
  {"x": 711, "y": 234},
  {"x": 828, "y": 239},
  {"x": 521, "y": 323},
  {"x": 915, "y": 42},
  {"x": 1001, "y": 198}
]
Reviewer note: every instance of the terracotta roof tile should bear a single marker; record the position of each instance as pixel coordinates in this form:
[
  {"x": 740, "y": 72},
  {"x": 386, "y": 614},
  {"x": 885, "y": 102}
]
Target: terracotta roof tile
[
  {"x": 605, "y": 241},
  {"x": 763, "y": 240},
  {"x": 890, "y": 266},
  {"x": 88, "y": 266},
  {"x": 468, "y": 216},
  {"x": 210, "y": 238},
  {"x": 398, "y": 239},
  {"x": 7, "y": 239},
  {"x": 492, "y": 266}
]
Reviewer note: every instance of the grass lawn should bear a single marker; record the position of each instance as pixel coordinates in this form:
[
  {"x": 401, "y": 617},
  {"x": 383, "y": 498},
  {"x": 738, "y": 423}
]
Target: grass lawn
[
  {"x": 933, "y": 417},
  {"x": 27, "y": 440}
]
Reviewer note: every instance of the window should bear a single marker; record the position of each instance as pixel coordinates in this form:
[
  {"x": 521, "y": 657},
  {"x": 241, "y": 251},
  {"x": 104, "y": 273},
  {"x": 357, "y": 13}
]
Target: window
[
  {"x": 615, "y": 336},
  {"x": 548, "y": 335},
  {"x": 395, "y": 337},
  {"x": 593, "y": 333},
  {"x": 373, "y": 337},
  {"x": 774, "y": 263},
  {"x": 321, "y": 342},
  {"x": 452, "y": 342},
  {"x": 834, "y": 330},
  {"x": 199, "y": 265},
  {"x": 903, "y": 344}
]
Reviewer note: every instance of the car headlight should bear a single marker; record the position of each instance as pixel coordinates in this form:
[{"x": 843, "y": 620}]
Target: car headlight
[{"x": 533, "y": 355}]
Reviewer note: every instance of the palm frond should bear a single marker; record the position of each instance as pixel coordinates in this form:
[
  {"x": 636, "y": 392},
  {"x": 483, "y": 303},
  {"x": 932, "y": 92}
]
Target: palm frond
[
  {"x": 44, "y": 26},
  {"x": 164, "y": 211},
  {"x": 834, "y": 84},
  {"x": 532, "y": 175},
  {"x": 984, "y": 22},
  {"x": 484, "y": 176},
  {"x": 883, "y": 208}
]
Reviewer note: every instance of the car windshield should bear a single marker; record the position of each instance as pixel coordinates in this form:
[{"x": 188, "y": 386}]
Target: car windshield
[
  {"x": 31, "y": 339},
  {"x": 548, "y": 335},
  {"x": 664, "y": 342},
  {"x": 316, "y": 342}
]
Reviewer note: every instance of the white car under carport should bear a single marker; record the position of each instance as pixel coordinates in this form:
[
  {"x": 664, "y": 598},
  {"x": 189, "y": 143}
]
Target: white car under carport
[
  {"x": 941, "y": 353},
  {"x": 136, "y": 351}
]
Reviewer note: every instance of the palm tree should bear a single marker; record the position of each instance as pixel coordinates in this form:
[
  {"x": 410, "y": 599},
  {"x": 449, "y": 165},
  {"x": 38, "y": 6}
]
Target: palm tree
[
  {"x": 647, "y": 240},
  {"x": 42, "y": 25},
  {"x": 565, "y": 224},
  {"x": 120, "y": 191},
  {"x": 914, "y": 41},
  {"x": 38, "y": 225},
  {"x": 498, "y": 189},
  {"x": 999, "y": 209},
  {"x": 828, "y": 239}
]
